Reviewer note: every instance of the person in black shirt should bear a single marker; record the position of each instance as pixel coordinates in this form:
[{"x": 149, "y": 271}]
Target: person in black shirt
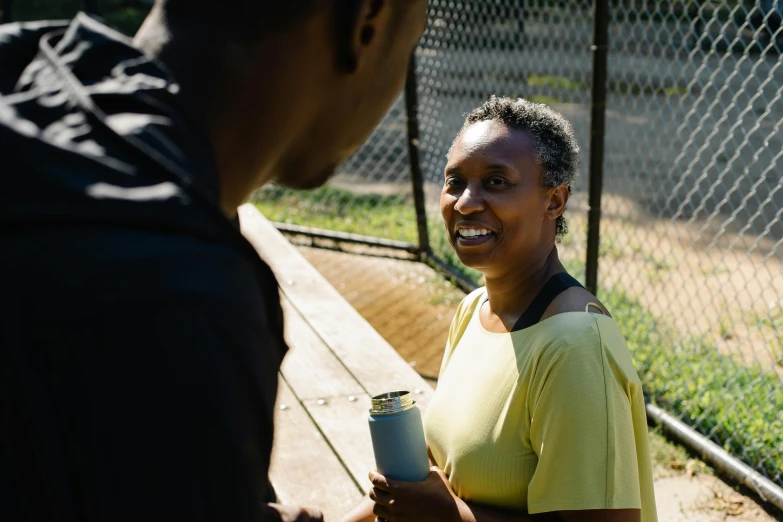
[{"x": 140, "y": 334}]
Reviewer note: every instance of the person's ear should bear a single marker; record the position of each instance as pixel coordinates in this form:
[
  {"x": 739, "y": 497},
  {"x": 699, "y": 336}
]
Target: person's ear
[
  {"x": 558, "y": 199},
  {"x": 357, "y": 25}
]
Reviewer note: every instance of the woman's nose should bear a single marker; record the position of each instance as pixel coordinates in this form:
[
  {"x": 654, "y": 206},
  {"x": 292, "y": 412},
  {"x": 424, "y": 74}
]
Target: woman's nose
[{"x": 469, "y": 202}]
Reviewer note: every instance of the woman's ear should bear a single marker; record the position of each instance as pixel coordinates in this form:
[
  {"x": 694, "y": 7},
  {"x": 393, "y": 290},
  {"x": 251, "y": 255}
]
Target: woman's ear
[{"x": 558, "y": 199}]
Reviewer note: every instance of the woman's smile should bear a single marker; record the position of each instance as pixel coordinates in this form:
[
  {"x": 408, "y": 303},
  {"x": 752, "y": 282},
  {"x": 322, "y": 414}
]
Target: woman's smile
[{"x": 469, "y": 234}]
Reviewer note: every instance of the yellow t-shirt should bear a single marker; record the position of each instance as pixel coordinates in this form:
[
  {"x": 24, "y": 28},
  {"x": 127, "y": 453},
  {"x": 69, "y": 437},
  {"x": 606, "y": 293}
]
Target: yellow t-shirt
[{"x": 548, "y": 418}]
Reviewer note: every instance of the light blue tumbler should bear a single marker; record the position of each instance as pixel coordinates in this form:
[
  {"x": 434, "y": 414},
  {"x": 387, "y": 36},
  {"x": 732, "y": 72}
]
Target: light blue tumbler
[{"x": 398, "y": 437}]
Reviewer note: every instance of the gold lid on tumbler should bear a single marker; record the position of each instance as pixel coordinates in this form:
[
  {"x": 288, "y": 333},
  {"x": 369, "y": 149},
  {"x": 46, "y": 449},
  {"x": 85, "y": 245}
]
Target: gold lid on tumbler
[{"x": 392, "y": 402}]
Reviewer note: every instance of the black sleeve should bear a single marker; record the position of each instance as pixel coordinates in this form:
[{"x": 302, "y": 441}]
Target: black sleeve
[{"x": 151, "y": 408}]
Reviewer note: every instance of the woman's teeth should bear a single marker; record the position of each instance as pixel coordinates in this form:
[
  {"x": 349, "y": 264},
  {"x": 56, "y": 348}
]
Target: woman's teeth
[{"x": 471, "y": 232}]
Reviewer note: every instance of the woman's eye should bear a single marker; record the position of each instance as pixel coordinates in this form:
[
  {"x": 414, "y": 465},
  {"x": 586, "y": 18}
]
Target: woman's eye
[
  {"x": 452, "y": 182},
  {"x": 498, "y": 181}
]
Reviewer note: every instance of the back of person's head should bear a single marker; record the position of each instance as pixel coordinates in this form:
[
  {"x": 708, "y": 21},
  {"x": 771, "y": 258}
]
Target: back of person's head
[
  {"x": 294, "y": 86},
  {"x": 240, "y": 19}
]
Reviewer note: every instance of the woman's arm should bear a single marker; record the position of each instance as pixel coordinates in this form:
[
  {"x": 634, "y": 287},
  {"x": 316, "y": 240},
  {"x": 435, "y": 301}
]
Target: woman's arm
[
  {"x": 430, "y": 500},
  {"x": 433, "y": 501},
  {"x": 483, "y": 514},
  {"x": 602, "y": 515},
  {"x": 476, "y": 513},
  {"x": 363, "y": 512}
]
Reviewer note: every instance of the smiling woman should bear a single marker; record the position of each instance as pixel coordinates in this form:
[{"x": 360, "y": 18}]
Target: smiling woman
[
  {"x": 539, "y": 413},
  {"x": 552, "y": 147}
]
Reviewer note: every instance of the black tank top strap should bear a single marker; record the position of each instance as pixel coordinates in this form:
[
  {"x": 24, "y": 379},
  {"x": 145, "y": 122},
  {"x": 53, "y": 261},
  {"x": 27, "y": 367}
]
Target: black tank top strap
[{"x": 556, "y": 285}]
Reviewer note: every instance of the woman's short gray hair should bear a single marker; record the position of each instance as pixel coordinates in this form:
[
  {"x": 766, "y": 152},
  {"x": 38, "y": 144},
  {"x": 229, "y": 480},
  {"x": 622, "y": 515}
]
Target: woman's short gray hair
[{"x": 554, "y": 143}]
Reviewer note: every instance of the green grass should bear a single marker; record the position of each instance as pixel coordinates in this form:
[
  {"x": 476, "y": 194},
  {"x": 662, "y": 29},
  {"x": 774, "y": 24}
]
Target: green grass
[
  {"x": 635, "y": 88},
  {"x": 657, "y": 268},
  {"x": 773, "y": 319},
  {"x": 676, "y": 90},
  {"x": 608, "y": 247},
  {"x": 673, "y": 456},
  {"x": 543, "y": 98},
  {"x": 725, "y": 328},
  {"x": 390, "y": 217},
  {"x": 740, "y": 405},
  {"x": 556, "y": 82},
  {"x": 771, "y": 323}
]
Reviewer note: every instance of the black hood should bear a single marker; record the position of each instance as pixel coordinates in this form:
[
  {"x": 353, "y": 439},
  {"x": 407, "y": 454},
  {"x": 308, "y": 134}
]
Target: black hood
[{"x": 93, "y": 131}]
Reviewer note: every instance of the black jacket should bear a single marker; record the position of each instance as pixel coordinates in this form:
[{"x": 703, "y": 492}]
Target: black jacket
[{"x": 140, "y": 334}]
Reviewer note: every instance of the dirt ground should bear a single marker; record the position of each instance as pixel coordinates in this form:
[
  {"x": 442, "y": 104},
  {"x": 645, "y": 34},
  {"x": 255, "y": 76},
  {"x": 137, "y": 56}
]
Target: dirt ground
[
  {"x": 411, "y": 306},
  {"x": 407, "y": 302}
]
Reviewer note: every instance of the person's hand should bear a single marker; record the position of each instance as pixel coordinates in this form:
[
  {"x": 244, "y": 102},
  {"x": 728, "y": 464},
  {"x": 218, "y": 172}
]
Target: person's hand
[
  {"x": 431, "y": 500},
  {"x": 277, "y": 512}
]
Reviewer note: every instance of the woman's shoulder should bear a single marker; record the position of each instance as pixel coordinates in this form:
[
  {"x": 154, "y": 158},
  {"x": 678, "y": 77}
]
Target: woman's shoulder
[
  {"x": 568, "y": 330},
  {"x": 575, "y": 299},
  {"x": 577, "y": 338}
]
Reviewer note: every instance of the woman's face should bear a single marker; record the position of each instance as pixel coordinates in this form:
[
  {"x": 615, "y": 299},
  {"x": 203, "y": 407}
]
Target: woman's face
[{"x": 494, "y": 207}]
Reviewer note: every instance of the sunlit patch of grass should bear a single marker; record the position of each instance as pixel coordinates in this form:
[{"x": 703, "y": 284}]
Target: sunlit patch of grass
[
  {"x": 771, "y": 324},
  {"x": 542, "y": 98},
  {"x": 657, "y": 267},
  {"x": 676, "y": 90},
  {"x": 671, "y": 456},
  {"x": 391, "y": 217},
  {"x": 725, "y": 328},
  {"x": 555, "y": 82},
  {"x": 609, "y": 247}
]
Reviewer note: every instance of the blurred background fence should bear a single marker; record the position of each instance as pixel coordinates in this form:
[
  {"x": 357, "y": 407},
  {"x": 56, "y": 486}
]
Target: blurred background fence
[{"x": 690, "y": 257}]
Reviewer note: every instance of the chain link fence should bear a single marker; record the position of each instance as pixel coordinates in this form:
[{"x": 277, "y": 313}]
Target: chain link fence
[
  {"x": 691, "y": 235},
  {"x": 691, "y": 232},
  {"x": 475, "y": 48},
  {"x": 691, "y": 247},
  {"x": 691, "y": 260}
]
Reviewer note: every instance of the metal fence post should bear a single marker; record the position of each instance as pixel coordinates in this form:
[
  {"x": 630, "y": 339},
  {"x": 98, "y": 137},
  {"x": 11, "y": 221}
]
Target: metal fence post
[
  {"x": 6, "y": 11},
  {"x": 597, "y": 130},
  {"x": 414, "y": 159}
]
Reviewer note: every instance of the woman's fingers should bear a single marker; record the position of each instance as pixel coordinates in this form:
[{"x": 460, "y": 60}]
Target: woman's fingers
[
  {"x": 379, "y": 481},
  {"x": 383, "y": 512},
  {"x": 380, "y": 496}
]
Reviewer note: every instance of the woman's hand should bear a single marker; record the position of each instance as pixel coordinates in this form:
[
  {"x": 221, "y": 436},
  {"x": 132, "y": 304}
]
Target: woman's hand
[{"x": 431, "y": 500}]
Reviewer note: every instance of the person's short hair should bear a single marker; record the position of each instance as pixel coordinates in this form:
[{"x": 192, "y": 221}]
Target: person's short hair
[
  {"x": 554, "y": 143},
  {"x": 242, "y": 19}
]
